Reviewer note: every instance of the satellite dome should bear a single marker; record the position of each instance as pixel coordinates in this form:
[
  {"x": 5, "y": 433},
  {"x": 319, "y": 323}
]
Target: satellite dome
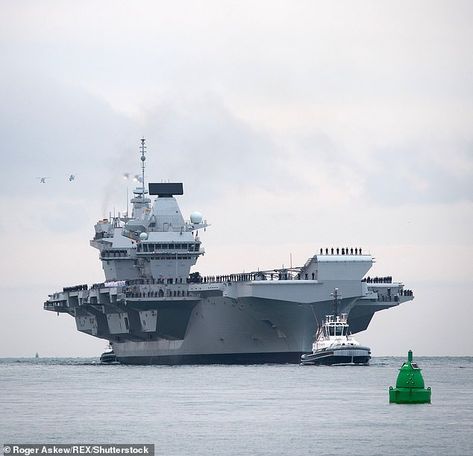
[
  {"x": 143, "y": 236},
  {"x": 196, "y": 217}
]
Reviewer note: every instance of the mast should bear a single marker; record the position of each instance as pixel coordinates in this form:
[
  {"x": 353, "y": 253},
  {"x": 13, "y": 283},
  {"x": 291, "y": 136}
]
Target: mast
[
  {"x": 143, "y": 158},
  {"x": 335, "y": 301}
]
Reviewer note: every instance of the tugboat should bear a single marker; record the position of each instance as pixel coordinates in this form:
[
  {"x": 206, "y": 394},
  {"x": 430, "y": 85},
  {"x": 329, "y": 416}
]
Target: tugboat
[
  {"x": 334, "y": 344},
  {"x": 108, "y": 356}
]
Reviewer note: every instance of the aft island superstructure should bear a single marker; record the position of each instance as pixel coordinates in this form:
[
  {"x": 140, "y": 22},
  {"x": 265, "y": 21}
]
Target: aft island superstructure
[{"x": 153, "y": 310}]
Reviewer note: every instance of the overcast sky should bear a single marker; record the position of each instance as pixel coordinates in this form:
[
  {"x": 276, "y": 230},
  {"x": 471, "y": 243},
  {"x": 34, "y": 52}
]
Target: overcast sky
[{"x": 294, "y": 125}]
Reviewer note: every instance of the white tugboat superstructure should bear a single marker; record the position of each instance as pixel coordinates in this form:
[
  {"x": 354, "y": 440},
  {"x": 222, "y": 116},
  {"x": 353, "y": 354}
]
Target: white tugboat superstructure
[
  {"x": 153, "y": 310},
  {"x": 334, "y": 343}
]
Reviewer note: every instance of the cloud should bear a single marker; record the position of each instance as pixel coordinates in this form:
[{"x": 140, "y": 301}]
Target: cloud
[
  {"x": 422, "y": 173},
  {"x": 200, "y": 140},
  {"x": 49, "y": 128}
]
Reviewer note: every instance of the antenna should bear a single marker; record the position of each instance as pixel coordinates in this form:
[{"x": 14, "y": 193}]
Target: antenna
[
  {"x": 127, "y": 213},
  {"x": 143, "y": 158},
  {"x": 335, "y": 295}
]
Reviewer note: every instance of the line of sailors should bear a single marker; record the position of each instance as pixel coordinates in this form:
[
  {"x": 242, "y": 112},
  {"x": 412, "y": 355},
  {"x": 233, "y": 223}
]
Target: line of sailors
[
  {"x": 281, "y": 275},
  {"x": 388, "y": 297},
  {"x": 76, "y": 288},
  {"x": 406, "y": 293},
  {"x": 341, "y": 251},
  {"x": 387, "y": 279},
  {"x": 233, "y": 278}
]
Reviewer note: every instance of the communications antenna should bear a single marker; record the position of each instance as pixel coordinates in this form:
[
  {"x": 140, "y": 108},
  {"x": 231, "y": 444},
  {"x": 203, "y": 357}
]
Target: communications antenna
[{"x": 143, "y": 158}]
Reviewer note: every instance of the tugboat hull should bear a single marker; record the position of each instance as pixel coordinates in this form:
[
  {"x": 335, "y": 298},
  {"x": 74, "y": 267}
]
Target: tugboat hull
[
  {"x": 108, "y": 357},
  {"x": 337, "y": 356}
]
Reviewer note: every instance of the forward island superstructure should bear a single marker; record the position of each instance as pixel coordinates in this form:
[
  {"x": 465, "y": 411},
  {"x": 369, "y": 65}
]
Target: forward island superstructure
[{"x": 153, "y": 310}]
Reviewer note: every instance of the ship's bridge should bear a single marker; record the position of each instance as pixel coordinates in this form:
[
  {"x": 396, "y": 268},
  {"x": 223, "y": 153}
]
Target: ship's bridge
[{"x": 159, "y": 242}]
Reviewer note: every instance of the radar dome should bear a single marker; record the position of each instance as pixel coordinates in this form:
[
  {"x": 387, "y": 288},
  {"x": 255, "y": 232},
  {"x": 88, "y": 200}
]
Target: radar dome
[
  {"x": 144, "y": 236},
  {"x": 196, "y": 217}
]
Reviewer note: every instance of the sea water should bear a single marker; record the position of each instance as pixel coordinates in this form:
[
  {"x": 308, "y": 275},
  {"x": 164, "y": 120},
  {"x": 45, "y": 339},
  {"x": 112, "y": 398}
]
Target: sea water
[{"x": 238, "y": 410}]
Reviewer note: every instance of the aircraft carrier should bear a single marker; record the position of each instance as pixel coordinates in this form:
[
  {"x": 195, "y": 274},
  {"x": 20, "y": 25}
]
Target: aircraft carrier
[{"x": 153, "y": 310}]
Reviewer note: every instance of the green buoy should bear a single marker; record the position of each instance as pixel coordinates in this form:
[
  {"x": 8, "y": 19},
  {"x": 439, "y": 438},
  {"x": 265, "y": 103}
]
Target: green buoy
[{"x": 410, "y": 388}]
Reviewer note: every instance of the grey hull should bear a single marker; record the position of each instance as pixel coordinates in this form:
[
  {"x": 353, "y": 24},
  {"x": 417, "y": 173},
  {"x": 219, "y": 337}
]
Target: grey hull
[
  {"x": 220, "y": 358},
  {"x": 224, "y": 331}
]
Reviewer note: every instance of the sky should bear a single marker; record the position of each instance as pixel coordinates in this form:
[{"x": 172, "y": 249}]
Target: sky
[{"x": 293, "y": 125}]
